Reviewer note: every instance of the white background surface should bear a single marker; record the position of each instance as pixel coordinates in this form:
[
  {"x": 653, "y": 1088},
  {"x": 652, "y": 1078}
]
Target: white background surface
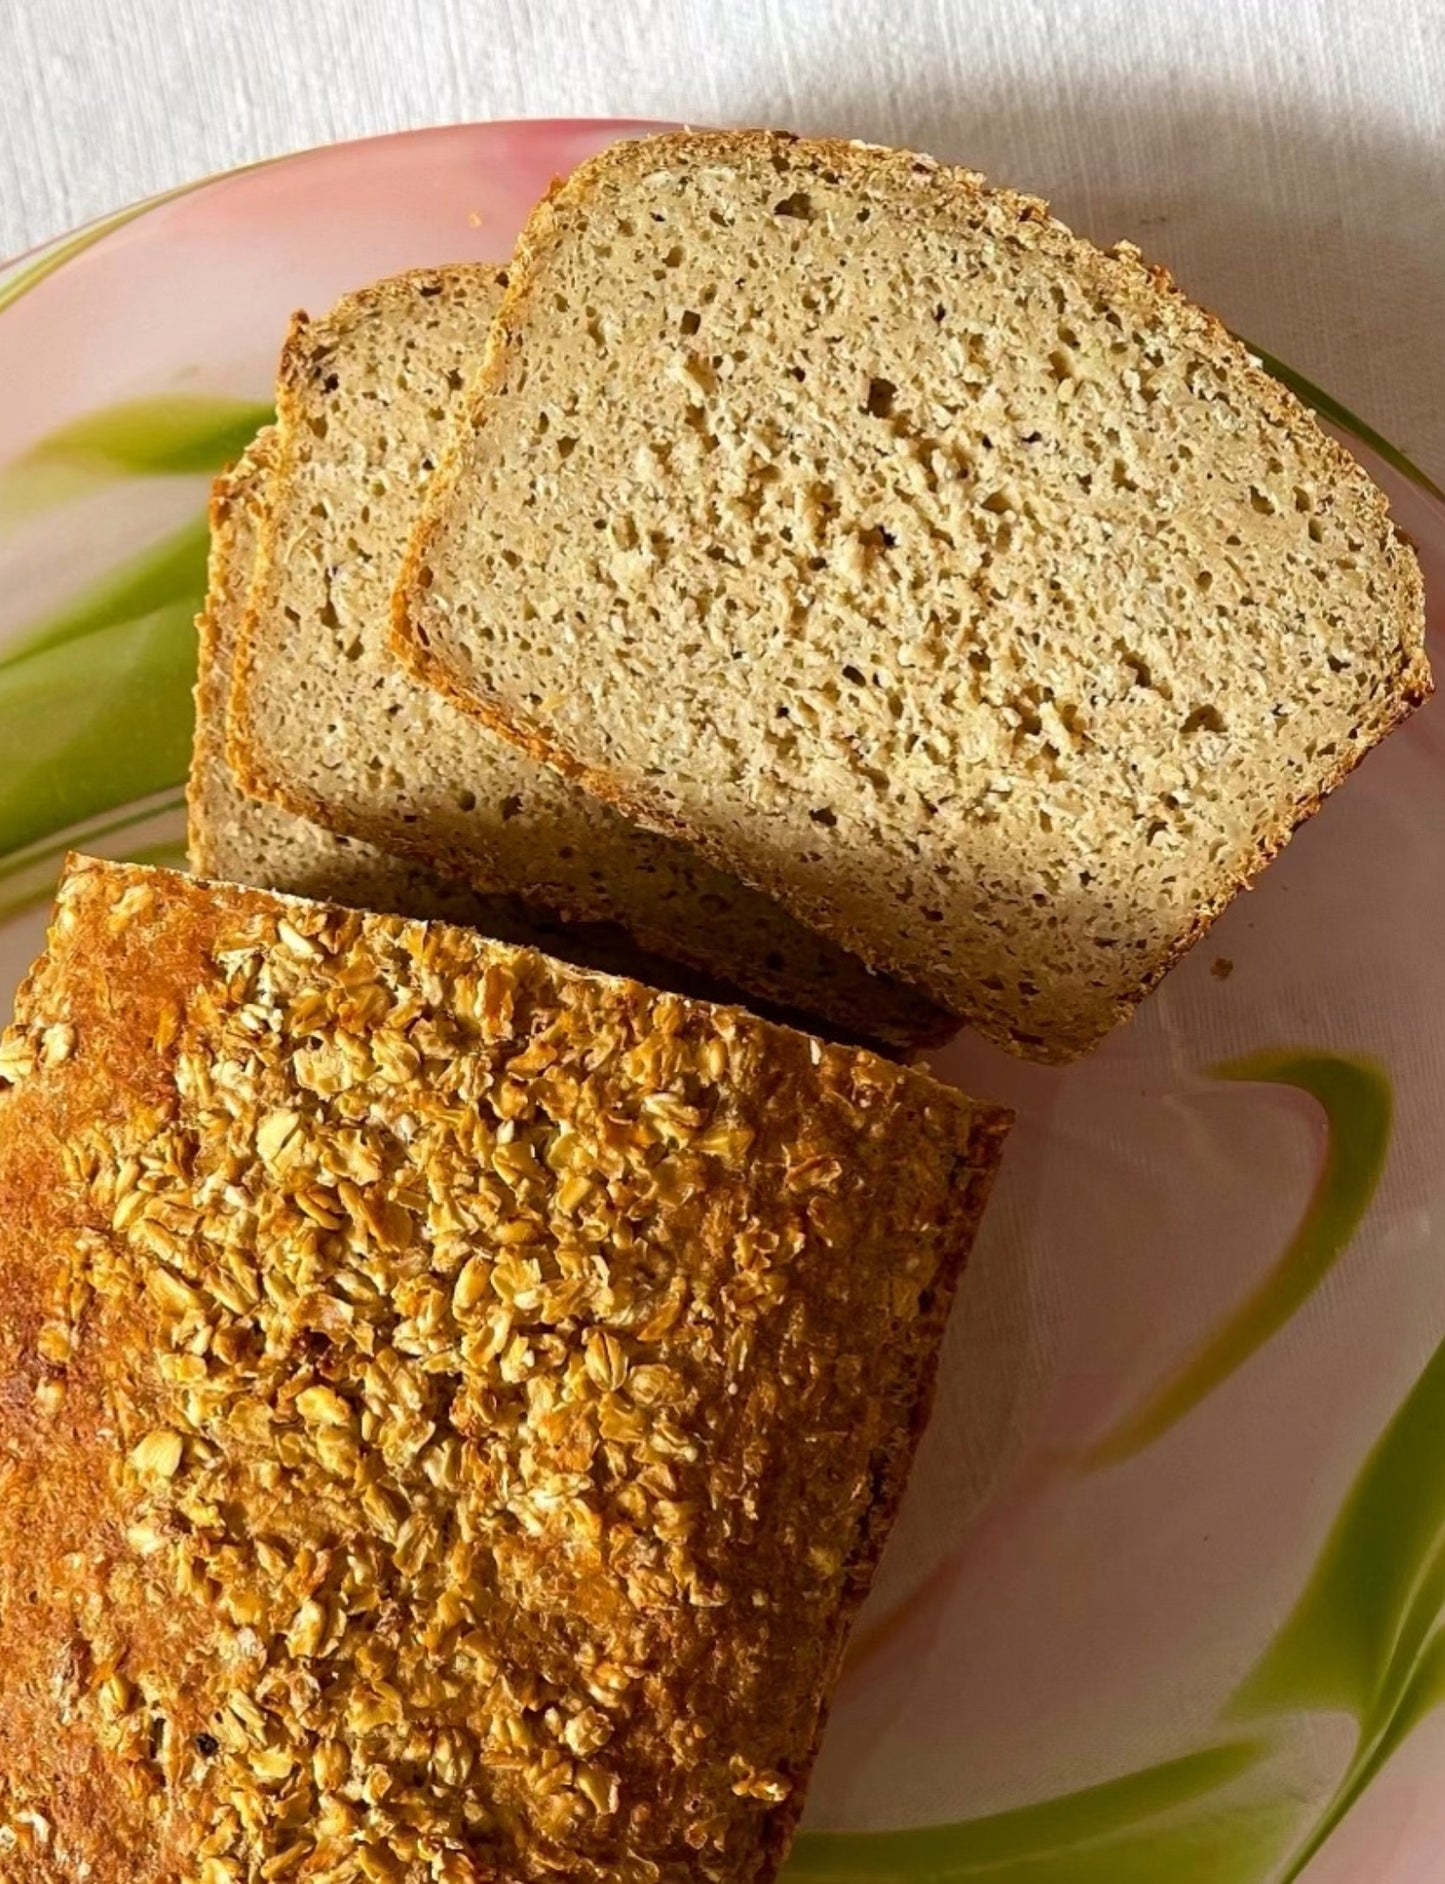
[{"x": 1285, "y": 157}]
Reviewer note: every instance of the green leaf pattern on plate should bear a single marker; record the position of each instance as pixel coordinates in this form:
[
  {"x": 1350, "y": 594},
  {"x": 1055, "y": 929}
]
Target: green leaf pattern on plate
[
  {"x": 1166, "y": 1824},
  {"x": 1365, "y": 1638},
  {"x": 174, "y": 571},
  {"x": 1357, "y": 1104},
  {"x": 176, "y": 436},
  {"x": 95, "y": 699},
  {"x": 95, "y": 722},
  {"x": 166, "y": 436}
]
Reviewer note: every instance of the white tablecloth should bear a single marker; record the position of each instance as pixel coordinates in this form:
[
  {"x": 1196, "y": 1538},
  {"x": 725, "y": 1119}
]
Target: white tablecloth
[{"x": 1285, "y": 157}]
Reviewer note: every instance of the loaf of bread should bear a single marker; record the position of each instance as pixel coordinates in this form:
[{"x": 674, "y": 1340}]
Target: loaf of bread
[
  {"x": 327, "y": 725},
  {"x": 960, "y": 585},
  {"x": 452, "y": 1402}
]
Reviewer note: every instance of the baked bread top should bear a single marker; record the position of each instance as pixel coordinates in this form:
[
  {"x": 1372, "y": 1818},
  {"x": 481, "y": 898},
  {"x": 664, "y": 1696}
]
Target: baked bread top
[{"x": 451, "y": 1403}]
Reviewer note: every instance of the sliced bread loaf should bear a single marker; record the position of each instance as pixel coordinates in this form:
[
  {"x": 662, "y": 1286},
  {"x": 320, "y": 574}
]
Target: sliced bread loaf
[
  {"x": 964, "y": 587},
  {"x": 453, "y": 1405},
  {"x": 327, "y": 725},
  {"x": 237, "y": 838},
  {"x": 240, "y": 839}
]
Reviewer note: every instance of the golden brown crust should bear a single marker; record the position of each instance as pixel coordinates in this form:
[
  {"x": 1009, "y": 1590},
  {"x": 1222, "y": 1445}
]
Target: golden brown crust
[
  {"x": 847, "y": 998},
  {"x": 452, "y": 1404},
  {"x": 1411, "y": 685}
]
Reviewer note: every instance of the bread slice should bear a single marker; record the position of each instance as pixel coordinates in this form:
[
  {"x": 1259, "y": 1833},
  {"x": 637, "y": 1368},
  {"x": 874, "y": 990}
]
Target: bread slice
[
  {"x": 453, "y": 1403},
  {"x": 240, "y": 839},
  {"x": 960, "y": 585},
  {"x": 327, "y": 725}
]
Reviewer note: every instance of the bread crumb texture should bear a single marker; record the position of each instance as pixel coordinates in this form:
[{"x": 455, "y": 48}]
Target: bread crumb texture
[
  {"x": 327, "y": 724},
  {"x": 243, "y": 839},
  {"x": 238, "y": 838},
  {"x": 451, "y": 1403},
  {"x": 960, "y": 584}
]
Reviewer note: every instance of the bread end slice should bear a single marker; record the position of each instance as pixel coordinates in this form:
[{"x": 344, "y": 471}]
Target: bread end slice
[{"x": 237, "y": 836}]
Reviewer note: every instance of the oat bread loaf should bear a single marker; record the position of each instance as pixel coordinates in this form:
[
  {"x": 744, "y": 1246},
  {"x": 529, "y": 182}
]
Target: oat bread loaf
[
  {"x": 453, "y": 1403},
  {"x": 240, "y": 839},
  {"x": 328, "y": 726},
  {"x": 959, "y": 584}
]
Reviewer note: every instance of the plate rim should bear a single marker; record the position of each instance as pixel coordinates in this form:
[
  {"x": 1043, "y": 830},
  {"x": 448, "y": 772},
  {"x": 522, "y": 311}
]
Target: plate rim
[{"x": 29, "y": 267}]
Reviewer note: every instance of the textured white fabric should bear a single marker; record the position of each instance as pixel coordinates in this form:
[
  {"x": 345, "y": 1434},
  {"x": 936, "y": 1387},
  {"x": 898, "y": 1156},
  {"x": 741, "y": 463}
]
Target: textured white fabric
[{"x": 1284, "y": 157}]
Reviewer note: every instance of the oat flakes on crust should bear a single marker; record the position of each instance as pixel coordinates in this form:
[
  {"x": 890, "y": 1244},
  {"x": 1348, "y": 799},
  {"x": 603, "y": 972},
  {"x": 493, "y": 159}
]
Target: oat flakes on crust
[{"x": 452, "y": 1403}]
